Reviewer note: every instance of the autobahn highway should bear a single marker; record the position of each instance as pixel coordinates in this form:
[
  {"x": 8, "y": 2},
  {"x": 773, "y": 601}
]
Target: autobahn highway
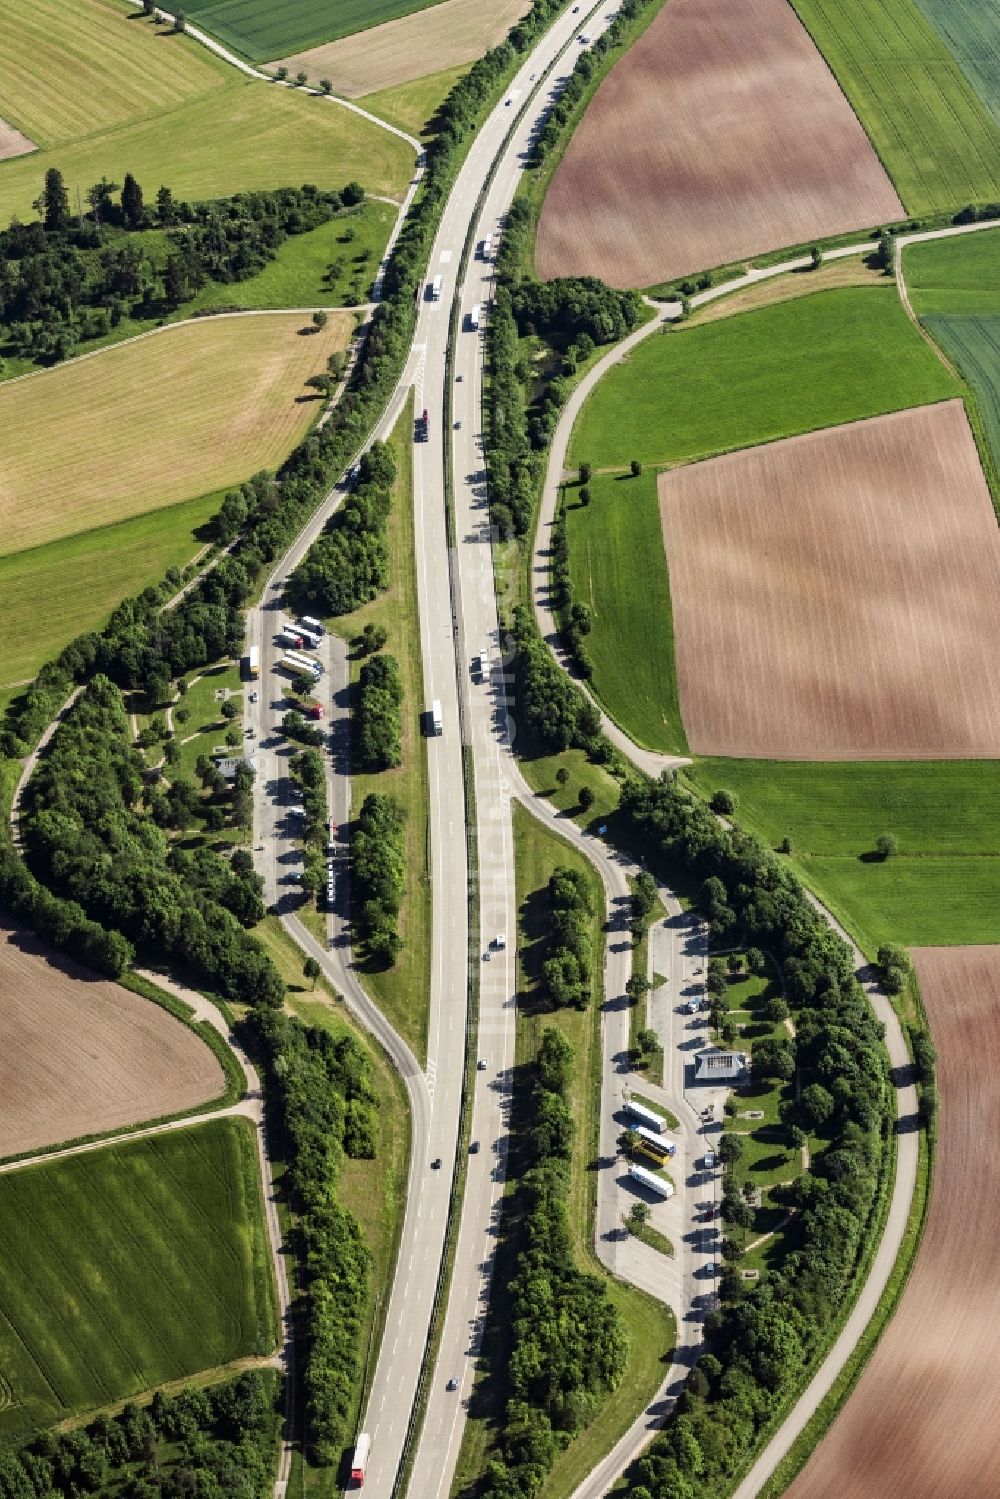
[{"x": 436, "y": 1092}]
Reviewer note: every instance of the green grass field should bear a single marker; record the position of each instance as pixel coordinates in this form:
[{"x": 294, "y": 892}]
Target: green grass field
[
  {"x": 412, "y": 106},
  {"x": 972, "y": 31},
  {"x": 944, "y": 884},
  {"x": 937, "y": 140},
  {"x": 618, "y": 568},
  {"x": 74, "y": 67},
  {"x": 129, "y": 1267},
  {"x": 332, "y": 266},
  {"x": 243, "y": 135},
  {"x": 259, "y": 29},
  {"x": 957, "y": 275},
  {"x": 816, "y": 362},
  {"x": 55, "y": 592}
]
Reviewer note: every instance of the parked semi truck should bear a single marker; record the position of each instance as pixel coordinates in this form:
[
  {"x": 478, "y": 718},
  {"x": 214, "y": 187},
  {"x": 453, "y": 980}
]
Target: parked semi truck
[
  {"x": 253, "y": 663},
  {"x": 474, "y": 316},
  {"x": 649, "y": 1179},
  {"x": 437, "y": 717}
]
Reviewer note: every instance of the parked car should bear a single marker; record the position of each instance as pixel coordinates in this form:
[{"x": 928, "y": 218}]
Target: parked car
[{"x": 709, "y": 1161}]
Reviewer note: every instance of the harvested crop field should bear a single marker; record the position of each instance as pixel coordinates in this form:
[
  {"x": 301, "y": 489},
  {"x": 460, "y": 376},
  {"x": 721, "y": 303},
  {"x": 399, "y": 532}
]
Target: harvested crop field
[
  {"x": 80, "y": 1055},
  {"x": 12, "y": 142},
  {"x": 721, "y": 134},
  {"x": 190, "y": 409},
  {"x": 921, "y": 1422},
  {"x": 837, "y": 595},
  {"x": 451, "y": 33}
]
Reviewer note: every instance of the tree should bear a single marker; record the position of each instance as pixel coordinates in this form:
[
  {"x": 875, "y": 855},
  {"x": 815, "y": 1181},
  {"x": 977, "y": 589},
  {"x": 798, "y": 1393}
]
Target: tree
[
  {"x": 730, "y": 1149},
  {"x": 635, "y": 468},
  {"x": 583, "y": 494},
  {"x": 775, "y": 1009},
  {"x": 230, "y": 709},
  {"x": 326, "y": 85},
  {"x": 734, "y": 963},
  {"x": 132, "y": 209},
  {"x": 319, "y": 321},
  {"x": 180, "y": 21},
  {"x": 785, "y": 846},
  {"x": 816, "y": 1104},
  {"x": 586, "y": 798},
  {"x": 773, "y": 1059},
  {"x": 149, "y": 7},
  {"x": 562, "y": 776},
  {"x": 373, "y": 638},
  {"x": 885, "y": 253},
  {"x": 638, "y": 985},
  {"x": 54, "y": 203},
  {"x": 724, "y": 802},
  {"x": 311, "y": 970},
  {"x": 301, "y": 78},
  {"x": 886, "y": 845},
  {"x": 638, "y": 1216},
  {"x": 628, "y": 1142},
  {"x": 281, "y": 73},
  {"x": 585, "y": 473},
  {"x": 816, "y": 256}
]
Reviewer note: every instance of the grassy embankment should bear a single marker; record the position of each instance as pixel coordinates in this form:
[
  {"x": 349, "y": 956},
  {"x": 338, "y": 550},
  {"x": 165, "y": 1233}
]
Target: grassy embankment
[
  {"x": 412, "y": 106},
  {"x": 402, "y": 991},
  {"x": 375, "y": 1190},
  {"x": 129, "y": 1267},
  {"x": 650, "y": 1326},
  {"x": 936, "y": 139}
]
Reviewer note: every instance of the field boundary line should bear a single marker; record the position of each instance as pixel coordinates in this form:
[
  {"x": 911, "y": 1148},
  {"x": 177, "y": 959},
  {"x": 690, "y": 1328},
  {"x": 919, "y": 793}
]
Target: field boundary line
[{"x": 197, "y": 35}]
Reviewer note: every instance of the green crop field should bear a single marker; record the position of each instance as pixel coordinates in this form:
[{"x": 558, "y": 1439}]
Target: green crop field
[
  {"x": 943, "y": 886},
  {"x": 819, "y": 361},
  {"x": 259, "y": 29},
  {"x": 972, "y": 30},
  {"x": 243, "y": 135},
  {"x": 73, "y": 67},
  {"x": 618, "y": 568},
  {"x": 956, "y": 275},
  {"x": 937, "y": 140},
  {"x": 973, "y": 344},
  {"x": 55, "y": 592},
  {"x": 129, "y": 1267}
]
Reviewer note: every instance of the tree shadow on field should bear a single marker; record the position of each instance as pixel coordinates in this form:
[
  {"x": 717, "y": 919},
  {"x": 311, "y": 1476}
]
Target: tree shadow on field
[{"x": 26, "y": 942}]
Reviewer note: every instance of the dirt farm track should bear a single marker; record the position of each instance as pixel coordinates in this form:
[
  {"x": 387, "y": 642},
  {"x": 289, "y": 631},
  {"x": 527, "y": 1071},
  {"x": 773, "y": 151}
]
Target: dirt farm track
[
  {"x": 922, "y": 1423},
  {"x": 719, "y": 135},
  {"x": 80, "y": 1055},
  {"x": 837, "y": 595}
]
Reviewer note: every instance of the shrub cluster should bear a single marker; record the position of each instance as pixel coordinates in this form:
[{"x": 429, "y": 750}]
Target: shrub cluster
[
  {"x": 569, "y": 1345},
  {"x": 348, "y": 565},
  {"x": 572, "y": 315},
  {"x": 378, "y": 724},
  {"x": 89, "y": 835},
  {"x": 66, "y": 279},
  {"x": 216, "y": 1441},
  {"x": 326, "y": 1106},
  {"x": 378, "y": 863},
  {"x": 308, "y": 771},
  {"x": 557, "y": 713},
  {"x": 566, "y": 967}
]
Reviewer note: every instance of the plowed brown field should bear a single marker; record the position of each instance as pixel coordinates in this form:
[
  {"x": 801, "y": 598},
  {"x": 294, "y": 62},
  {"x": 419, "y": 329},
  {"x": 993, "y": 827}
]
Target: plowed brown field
[
  {"x": 80, "y": 1055},
  {"x": 428, "y": 41},
  {"x": 719, "y": 135},
  {"x": 837, "y": 596},
  {"x": 12, "y": 142},
  {"x": 922, "y": 1422}
]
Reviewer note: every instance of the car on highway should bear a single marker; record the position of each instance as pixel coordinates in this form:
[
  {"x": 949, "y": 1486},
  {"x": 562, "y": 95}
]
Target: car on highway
[
  {"x": 500, "y": 941},
  {"x": 481, "y": 1065},
  {"x": 474, "y": 1148},
  {"x": 436, "y": 1163},
  {"x": 254, "y": 697},
  {"x": 452, "y": 1383}
]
